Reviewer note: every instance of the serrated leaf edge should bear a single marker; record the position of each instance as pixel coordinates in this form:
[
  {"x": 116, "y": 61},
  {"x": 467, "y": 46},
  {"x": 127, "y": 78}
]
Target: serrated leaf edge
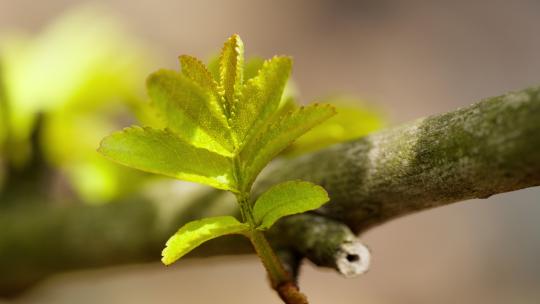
[
  {"x": 210, "y": 81},
  {"x": 260, "y": 124},
  {"x": 249, "y": 166},
  {"x": 185, "y": 176},
  {"x": 238, "y": 44},
  {"x": 215, "y": 109}
]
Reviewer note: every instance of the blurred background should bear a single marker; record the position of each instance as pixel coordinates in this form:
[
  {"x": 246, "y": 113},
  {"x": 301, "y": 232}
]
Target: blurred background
[{"x": 73, "y": 71}]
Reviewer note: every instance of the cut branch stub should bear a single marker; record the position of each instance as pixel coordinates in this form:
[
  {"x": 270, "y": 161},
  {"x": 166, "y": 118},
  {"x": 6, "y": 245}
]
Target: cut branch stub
[{"x": 325, "y": 242}]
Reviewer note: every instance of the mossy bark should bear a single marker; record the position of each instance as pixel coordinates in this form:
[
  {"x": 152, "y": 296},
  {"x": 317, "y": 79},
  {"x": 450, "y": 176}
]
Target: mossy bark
[{"x": 487, "y": 148}]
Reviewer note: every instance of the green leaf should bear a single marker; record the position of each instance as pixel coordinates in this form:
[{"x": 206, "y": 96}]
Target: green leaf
[
  {"x": 353, "y": 120},
  {"x": 213, "y": 67},
  {"x": 286, "y": 106},
  {"x": 231, "y": 63},
  {"x": 261, "y": 97},
  {"x": 286, "y": 199},
  {"x": 163, "y": 152},
  {"x": 252, "y": 67},
  {"x": 194, "y": 69},
  {"x": 193, "y": 234},
  {"x": 280, "y": 134},
  {"x": 190, "y": 110}
]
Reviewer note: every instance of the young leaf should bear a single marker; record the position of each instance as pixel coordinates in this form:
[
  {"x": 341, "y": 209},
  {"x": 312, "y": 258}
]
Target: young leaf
[
  {"x": 194, "y": 69},
  {"x": 213, "y": 67},
  {"x": 259, "y": 151},
  {"x": 189, "y": 109},
  {"x": 252, "y": 67},
  {"x": 231, "y": 63},
  {"x": 286, "y": 199},
  {"x": 353, "y": 120},
  {"x": 195, "y": 233},
  {"x": 261, "y": 96},
  {"x": 162, "y": 152},
  {"x": 287, "y": 105}
]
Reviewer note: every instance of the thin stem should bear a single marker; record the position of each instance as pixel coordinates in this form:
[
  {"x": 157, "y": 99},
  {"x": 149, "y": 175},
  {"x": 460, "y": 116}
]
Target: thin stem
[
  {"x": 280, "y": 279},
  {"x": 273, "y": 266}
]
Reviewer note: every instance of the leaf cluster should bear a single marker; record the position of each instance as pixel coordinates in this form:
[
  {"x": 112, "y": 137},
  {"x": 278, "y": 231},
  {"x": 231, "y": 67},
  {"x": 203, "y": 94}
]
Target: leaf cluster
[{"x": 223, "y": 126}]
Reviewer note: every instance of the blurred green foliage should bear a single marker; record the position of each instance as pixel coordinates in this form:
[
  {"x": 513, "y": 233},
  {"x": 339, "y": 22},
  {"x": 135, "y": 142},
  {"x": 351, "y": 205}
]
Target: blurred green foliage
[
  {"x": 81, "y": 77},
  {"x": 70, "y": 85}
]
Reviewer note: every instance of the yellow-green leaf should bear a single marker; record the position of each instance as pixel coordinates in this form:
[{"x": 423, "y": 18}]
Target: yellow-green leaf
[
  {"x": 260, "y": 97},
  {"x": 163, "y": 152},
  {"x": 252, "y": 67},
  {"x": 350, "y": 122},
  {"x": 193, "y": 234},
  {"x": 260, "y": 150},
  {"x": 190, "y": 110},
  {"x": 213, "y": 67},
  {"x": 194, "y": 69},
  {"x": 286, "y": 199},
  {"x": 286, "y": 106},
  {"x": 231, "y": 63}
]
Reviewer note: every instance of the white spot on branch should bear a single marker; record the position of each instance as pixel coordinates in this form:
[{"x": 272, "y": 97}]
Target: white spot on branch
[{"x": 353, "y": 259}]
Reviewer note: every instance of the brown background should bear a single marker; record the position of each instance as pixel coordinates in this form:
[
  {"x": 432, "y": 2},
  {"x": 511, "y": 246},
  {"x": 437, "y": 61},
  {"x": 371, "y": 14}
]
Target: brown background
[{"x": 412, "y": 58}]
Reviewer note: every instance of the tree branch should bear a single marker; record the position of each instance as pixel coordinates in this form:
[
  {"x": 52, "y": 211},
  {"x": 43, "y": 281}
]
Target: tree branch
[
  {"x": 474, "y": 152},
  {"x": 487, "y": 148}
]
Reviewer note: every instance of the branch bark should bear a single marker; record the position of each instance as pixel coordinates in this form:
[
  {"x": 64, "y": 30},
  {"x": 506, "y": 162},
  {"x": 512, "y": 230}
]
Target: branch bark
[
  {"x": 474, "y": 152},
  {"x": 490, "y": 147}
]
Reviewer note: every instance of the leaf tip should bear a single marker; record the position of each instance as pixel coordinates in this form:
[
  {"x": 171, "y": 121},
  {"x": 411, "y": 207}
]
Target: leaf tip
[
  {"x": 236, "y": 42},
  {"x": 166, "y": 257},
  {"x": 158, "y": 76},
  {"x": 236, "y": 38},
  {"x": 164, "y": 262}
]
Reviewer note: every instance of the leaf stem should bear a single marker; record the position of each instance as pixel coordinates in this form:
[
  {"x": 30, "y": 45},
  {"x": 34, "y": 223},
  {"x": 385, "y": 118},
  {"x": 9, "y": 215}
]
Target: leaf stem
[
  {"x": 273, "y": 266},
  {"x": 280, "y": 279}
]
